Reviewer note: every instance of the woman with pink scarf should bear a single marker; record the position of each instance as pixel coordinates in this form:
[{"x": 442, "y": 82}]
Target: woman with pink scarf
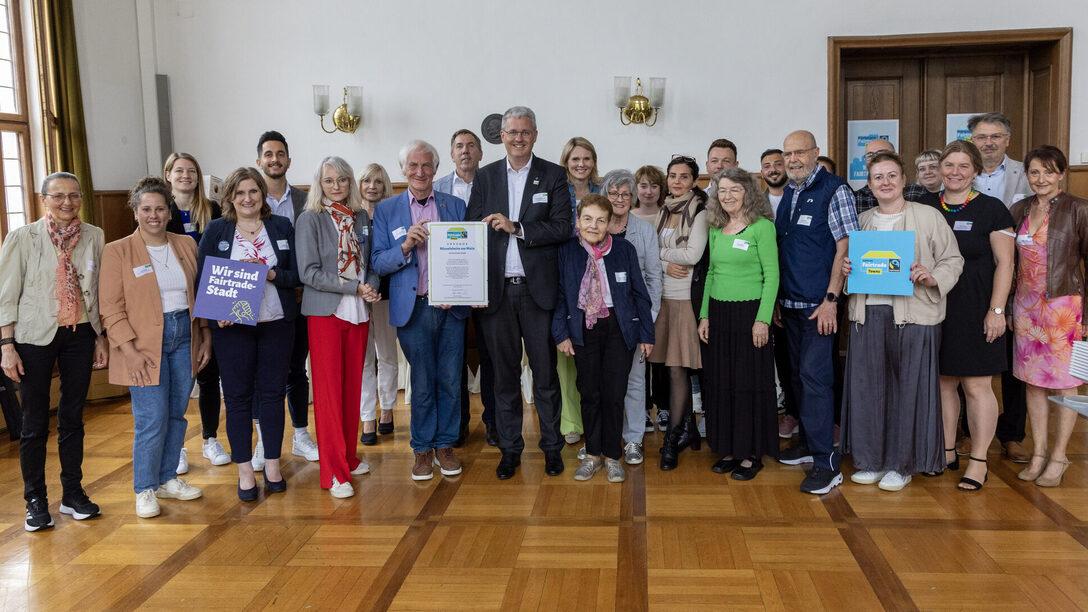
[{"x": 602, "y": 317}]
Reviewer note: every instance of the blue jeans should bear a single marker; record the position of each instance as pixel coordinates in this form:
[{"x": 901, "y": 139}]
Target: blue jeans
[
  {"x": 433, "y": 342},
  {"x": 159, "y": 410},
  {"x": 812, "y": 358}
]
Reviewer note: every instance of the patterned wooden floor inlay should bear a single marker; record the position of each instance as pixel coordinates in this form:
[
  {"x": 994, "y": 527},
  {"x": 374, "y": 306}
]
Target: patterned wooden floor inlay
[{"x": 687, "y": 539}]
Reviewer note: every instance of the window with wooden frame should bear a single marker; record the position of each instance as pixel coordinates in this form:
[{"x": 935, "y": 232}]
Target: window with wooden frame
[{"x": 16, "y": 189}]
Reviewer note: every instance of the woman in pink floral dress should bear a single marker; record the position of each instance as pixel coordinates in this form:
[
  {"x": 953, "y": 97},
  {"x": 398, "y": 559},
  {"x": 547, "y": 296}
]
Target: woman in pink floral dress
[{"x": 1048, "y": 308}]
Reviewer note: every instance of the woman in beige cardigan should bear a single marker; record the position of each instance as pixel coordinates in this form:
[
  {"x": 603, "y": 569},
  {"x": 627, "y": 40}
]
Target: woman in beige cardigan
[
  {"x": 891, "y": 417},
  {"x": 147, "y": 289}
]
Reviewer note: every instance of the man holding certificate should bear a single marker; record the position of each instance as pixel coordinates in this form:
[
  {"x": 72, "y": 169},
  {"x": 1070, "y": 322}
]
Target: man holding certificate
[{"x": 431, "y": 336}]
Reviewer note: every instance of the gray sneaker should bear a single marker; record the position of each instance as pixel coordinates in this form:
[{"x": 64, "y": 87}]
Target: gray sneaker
[
  {"x": 614, "y": 469},
  {"x": 590, "y": 466},
  {"x": 632, "y": 453},
  {"x": 582, "y": 452}
]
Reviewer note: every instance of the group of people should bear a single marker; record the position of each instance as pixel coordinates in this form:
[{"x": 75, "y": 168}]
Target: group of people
[{"x": 624, "y": 292}]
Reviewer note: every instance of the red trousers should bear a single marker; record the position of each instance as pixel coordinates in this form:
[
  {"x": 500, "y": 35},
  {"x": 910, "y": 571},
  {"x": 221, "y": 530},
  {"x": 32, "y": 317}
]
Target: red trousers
[{"x": 337, "y": 349}]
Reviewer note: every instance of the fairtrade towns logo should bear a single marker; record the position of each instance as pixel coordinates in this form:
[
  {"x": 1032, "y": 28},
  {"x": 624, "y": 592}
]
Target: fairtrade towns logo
[
  {"x": 242, "y": 311},
  {"x": 456, "y": 233},
  {"x": 879, "y": 262}
]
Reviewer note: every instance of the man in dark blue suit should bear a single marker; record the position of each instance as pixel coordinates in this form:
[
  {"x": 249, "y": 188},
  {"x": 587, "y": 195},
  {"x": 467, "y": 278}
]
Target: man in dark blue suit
[
  {"x": 431, "y": 336},
  {"x": 526, "y": 201}
]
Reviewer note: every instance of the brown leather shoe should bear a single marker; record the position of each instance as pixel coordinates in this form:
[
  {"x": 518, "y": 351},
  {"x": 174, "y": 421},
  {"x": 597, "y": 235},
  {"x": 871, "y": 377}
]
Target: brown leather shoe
[
  {"x": 422, "y": 470},
  {"x": 447, "y": 462},
  {"x": 1016, "y": 452},
  {"x": 963, "y": 446}
]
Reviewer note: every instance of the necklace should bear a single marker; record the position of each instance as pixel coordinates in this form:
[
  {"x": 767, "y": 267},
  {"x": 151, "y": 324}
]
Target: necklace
[
  {"x": 253, "y": 231},
  {"x": 955, "y": 208},
  {"x": 165, "y": 261}
]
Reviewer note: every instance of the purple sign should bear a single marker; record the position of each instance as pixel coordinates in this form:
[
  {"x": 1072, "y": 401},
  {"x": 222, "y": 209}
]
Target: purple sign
[{"x": 230, "y": 291}]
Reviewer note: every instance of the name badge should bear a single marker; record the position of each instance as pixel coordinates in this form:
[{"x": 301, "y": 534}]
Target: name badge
[
  {"x": 364, "y": 231},
  {"x": 665, "y": 233},
  {"x": 283, "y": 245},
  {"x": 90, "y": 265},
  {"x": 740, "y": 244},
  {"x": 621, "y": 277},
  {"x": 962, "y": 226},
  {"x": 1024, "y": 239},
  {"x": 142, "y": 270},
  {"x": 804, "y": 220},
  {"x": 540, "y": 198},
  {"x": 223, "y": 245},
  {"x": 399, "y": 233},
  {"x": 189, "y": 227}
]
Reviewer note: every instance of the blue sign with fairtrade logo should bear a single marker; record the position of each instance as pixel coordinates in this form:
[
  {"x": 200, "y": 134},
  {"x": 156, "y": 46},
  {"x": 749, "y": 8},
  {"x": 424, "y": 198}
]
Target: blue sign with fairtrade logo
[{"x": 230, "y": 291}]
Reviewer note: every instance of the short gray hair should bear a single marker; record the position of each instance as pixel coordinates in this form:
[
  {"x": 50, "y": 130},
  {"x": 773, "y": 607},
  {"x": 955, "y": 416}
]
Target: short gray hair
[
  {"x": 519, "y": 111},
  {"x": 415, "y": 145},
  {"x": 989, "y": 118},
  {"x": 927, "y": 155},
  {"x": 56, "y": 176},
  {"x": 618, "y": 178}
]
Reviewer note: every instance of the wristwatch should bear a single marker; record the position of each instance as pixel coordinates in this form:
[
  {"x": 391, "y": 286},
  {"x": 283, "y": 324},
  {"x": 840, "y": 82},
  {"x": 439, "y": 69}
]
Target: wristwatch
[
  {"x": 517, "y": 228},
  {"x": 831, "y": 297},
  {"x": 997, "y": 310},
  {"x": 6, "y": 341}
]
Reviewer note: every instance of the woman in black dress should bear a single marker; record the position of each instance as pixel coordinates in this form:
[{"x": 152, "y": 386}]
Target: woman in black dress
[{"x": 973, "y": 334}]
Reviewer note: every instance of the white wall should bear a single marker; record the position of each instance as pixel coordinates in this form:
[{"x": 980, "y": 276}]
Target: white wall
[{"x": 749, "y": 70}]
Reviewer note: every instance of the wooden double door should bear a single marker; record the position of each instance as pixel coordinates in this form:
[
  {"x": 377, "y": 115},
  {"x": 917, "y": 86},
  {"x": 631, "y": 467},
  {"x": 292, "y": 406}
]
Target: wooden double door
[{"x": 919, "y": 80}]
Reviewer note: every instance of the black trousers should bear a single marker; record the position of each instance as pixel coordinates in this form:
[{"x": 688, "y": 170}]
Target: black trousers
[
  {"x": 208, "y": 382},
  {"x": 785, "y": 369},
  {"x": 487, "y": 377},
  {"x": 1014, "y": 404},
  {"x": 73, "y": 354},
  {"x": 604, "y": 363},
  {"x": 257, "y": 374},
  {"x": 298, "y": 384},
  {"x": 517, "y": 319}
]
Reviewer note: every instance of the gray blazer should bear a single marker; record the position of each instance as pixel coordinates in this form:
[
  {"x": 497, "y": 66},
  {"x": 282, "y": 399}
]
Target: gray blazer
[
  {"x": 316, "y": 241},
  {"x": 644, "y": 237},
  {"x": 1016, "y": 183}
]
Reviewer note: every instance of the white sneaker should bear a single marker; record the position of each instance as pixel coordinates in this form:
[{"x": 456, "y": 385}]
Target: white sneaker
[
  {"x": 213, "y": 451},
  {"x": 614, "y": 469},
  {"x": 867, "y": 477},
  {"x": 572, "y": 437},
  {"x": 177, "y": 489},
  {"x": 341, "y": 490},
  {"x": 183, "y": 461},
  {"x": 303, "y": 446},
  {"x": 582, "y": 452},
  {"x": 894, "y": 481},
  {"x": 146, "y": 504},
  {"x": 362, "y": 469},
  {"x": 589, "y": 467},
  {"x": 258, "y": 457}
]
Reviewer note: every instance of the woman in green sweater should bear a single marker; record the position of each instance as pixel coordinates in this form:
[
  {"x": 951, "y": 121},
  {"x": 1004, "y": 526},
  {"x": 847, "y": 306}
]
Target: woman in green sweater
[{"x": 734, "y": 322}]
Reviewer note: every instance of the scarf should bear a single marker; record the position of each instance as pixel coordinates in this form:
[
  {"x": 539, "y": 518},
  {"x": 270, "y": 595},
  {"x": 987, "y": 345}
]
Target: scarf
[
  {"x": 591, "y": 289},
  {"x": 66, "y": 284},
  {"x": 685, "y": 206},
  {"x": 348, "y": 259}
]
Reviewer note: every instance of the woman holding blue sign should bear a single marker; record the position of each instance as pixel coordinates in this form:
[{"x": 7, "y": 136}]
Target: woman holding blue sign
[
  {"x": 249, "y": 232},
  {"x": 146, "y": 295},
  {"x": 973, "y": 335},
  {"x": 891, "y": 419}
]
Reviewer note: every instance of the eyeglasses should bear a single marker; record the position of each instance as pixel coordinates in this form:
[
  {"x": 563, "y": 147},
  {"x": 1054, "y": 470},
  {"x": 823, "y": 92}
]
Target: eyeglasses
[
  {"x": 796, "y": 153},
  {"x": 619, "y": 196},
  {"x": 989, "y": 137},
  {"x": 329, "y": 182},
  {"x": 518, "y": 133},
  {"x": 60, "y": 197},
  {"x": 683, "y": 158}
]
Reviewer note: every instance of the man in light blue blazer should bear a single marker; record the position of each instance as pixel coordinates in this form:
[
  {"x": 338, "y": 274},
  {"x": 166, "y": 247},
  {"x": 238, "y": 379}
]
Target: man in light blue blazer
[{"x": 432, "y": 337}]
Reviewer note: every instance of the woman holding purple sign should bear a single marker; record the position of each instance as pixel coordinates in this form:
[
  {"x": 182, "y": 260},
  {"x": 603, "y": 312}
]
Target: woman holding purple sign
[
  {"x": 891, "y": 418},
  {"x": 146, "y": 295},
  {"x": 248, "y": 231}
]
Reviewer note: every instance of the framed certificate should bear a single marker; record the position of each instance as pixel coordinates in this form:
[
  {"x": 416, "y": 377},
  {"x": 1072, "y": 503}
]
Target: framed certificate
[
  {"x": 881, "y": 262},
  {"x": 457, "y": 263}
]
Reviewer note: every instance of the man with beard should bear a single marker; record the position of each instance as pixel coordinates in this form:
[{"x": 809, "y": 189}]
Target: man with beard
[
  {"x": 813, "y": 220},
  {"x": 286, "y": 201},
  {"x": 466, "y": 153},
  {"x": 1004, "y": 179},
  {"x": 864, "y": 198},
  {"x": 772, "y": 166}
]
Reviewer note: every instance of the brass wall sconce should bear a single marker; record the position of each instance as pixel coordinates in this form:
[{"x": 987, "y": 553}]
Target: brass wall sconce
[
  {"x": 638, "y": 108},
  {"x": 346, "y": 116}
]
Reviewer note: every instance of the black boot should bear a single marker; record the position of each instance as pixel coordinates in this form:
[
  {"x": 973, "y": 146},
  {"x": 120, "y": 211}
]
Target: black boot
[
  {"x": 689, "y": 435},
  {"x": 669, "y": 450}
]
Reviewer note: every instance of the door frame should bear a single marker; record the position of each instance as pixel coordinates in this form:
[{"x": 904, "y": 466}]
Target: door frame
[{"x": 994, "y": 40}]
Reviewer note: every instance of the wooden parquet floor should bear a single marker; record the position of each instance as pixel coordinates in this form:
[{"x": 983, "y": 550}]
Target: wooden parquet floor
[{"x": 682, "y": 540}]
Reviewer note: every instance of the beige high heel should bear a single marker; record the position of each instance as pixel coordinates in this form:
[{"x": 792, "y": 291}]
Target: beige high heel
[
  {"x": 1053, "y": 482},
  {"x": 1025, "y": 474}
]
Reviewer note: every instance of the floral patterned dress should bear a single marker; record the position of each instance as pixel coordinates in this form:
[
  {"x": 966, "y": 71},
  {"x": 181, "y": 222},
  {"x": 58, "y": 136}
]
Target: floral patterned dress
[{"x": 1044, "y": 329}]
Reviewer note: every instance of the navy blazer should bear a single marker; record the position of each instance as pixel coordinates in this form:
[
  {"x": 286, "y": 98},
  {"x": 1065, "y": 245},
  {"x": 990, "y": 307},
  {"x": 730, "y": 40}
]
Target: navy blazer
[
  {"x": 393, "y": 215},
  {"x": 630, "y": 300},
  {"x": 545, "y": 219},
  {"x": 218, "y": 240}
]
